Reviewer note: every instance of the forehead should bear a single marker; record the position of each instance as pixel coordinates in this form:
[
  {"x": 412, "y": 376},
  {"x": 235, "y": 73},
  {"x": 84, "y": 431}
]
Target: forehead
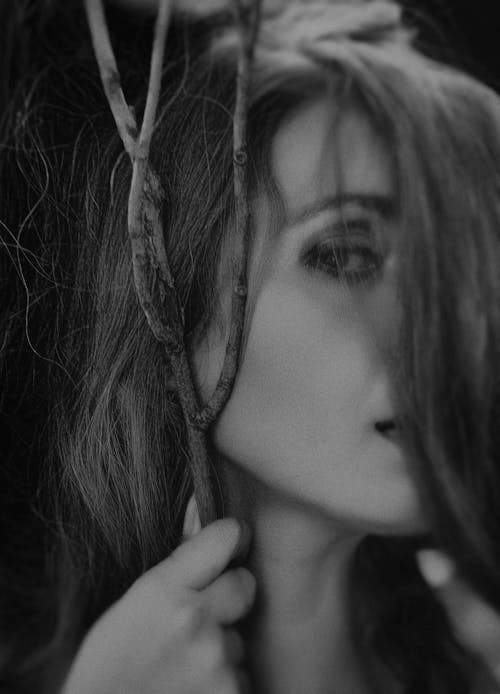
[{"x": 320, "y": 151}]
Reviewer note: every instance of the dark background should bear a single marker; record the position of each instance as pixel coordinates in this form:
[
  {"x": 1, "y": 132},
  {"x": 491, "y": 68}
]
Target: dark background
[{"x": 464, "y": 32}]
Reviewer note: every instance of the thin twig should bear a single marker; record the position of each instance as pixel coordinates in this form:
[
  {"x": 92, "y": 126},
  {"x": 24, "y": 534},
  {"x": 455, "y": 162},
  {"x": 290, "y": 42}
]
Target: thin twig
[
  {"x": 153, "y": 95},
  {"x": 153, "y": 279},
  {"x": 248, "y": 20},
  {"x": 110, "y": 77},
  {"x": 145, "y": 226}
]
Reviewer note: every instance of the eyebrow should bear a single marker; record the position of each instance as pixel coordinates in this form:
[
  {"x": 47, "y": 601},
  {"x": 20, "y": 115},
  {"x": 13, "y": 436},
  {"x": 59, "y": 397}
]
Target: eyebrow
[{"x": 382, "y": 204}]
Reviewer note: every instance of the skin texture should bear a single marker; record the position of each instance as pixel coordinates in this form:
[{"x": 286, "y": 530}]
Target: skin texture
[
  {"x": 298, "y": 449},
  {"x": 315, "y": 375}
]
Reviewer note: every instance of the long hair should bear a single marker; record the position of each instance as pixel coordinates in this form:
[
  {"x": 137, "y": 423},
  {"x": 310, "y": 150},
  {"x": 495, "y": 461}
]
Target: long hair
[
  {"x": 450, "y": 344},
  {"x": 97, "y": 461}
]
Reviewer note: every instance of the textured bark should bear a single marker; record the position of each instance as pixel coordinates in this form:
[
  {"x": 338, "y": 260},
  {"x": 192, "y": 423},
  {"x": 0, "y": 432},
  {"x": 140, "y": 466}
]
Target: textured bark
[{"x": 153, "y": 279}]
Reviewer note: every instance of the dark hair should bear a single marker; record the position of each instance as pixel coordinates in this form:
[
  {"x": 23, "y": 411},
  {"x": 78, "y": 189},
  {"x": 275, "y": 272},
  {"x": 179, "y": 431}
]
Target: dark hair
[
  {"x": 451, "y": 402},
  {"x": 97, "y": 454}
]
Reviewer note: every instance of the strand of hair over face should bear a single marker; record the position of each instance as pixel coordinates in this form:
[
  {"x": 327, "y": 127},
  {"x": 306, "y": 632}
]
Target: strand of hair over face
[{"x": 153, "y": 279}]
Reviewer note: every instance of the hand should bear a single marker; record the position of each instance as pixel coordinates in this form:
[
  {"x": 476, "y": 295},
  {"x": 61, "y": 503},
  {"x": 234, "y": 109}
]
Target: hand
[
  {"x": 476, "y": 624},
  {"x": 171, "y": 632}
]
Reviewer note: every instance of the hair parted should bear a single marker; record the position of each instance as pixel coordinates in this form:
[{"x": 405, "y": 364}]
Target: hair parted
[{"x": 97, "y": 454}]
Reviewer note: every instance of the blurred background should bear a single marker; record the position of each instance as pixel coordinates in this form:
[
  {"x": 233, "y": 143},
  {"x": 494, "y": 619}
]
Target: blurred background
[
  {"x": 459, "y": 31},
  {"x": 462, "y": 31}
]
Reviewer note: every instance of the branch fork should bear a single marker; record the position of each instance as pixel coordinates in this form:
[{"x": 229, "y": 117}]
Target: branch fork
[{"x": 153, "y": 278}]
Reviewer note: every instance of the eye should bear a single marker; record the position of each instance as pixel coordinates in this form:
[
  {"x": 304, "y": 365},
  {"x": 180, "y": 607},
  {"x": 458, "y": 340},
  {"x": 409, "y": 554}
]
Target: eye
[{"x": 349, "y": 261}]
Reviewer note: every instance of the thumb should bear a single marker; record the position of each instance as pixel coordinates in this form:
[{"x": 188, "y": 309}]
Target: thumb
[
  {"x": 476, "y": 624},
  {"x": 192, "y": 522}
]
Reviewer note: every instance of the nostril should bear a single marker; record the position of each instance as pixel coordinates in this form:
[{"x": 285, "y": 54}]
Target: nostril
[{"x": 385, "y": 426}]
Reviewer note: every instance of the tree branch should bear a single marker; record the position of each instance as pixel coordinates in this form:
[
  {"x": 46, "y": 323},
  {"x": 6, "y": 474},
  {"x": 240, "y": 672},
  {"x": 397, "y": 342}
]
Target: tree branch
[
  {"x": 110, "y": 77},
  {"x": 248, "y": 20},
  {"x": 160, "y": 35},
  {"x": 152, "y": 276}
]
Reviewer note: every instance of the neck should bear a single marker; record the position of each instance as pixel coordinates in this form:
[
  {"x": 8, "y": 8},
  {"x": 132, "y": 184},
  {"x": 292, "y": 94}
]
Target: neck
[{"x": 298, "y": 636}]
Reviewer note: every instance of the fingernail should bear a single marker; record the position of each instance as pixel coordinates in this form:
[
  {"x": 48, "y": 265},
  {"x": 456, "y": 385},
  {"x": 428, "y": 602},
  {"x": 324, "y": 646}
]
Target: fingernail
[
  {"x": 436, "y": 568},
  {"x": 192, "y": 523}
]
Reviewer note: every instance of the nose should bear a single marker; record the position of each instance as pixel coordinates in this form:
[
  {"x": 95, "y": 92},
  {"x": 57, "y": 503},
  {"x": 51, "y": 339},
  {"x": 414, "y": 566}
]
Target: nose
[
  {"x": 384, "y": 317},
  {"x": 385, "y": 426},
  {"x": 390, "y": 428}
]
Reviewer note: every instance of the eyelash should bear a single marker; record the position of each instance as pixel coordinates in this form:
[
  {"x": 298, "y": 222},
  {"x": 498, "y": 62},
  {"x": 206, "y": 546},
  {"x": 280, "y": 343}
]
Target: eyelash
[{"x": 332, "y": 258}]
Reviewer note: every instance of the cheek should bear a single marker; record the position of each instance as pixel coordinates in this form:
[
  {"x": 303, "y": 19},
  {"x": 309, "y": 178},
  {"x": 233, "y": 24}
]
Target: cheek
[{"x": 301, "y": 387}]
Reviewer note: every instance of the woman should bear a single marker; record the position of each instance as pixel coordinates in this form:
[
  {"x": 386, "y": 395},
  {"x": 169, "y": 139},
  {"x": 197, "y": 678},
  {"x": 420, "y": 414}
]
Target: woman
[{"x": 349, "y": 156}]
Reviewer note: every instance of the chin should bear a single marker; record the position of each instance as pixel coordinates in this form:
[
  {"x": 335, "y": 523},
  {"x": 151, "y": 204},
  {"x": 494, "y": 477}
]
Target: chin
[
  {"x": 392, "y": 509},
  {"x": 399, "y": 527},
  {"x": 388, "y": 525}
]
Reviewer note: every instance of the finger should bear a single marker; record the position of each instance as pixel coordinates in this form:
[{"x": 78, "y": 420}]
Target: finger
[
  {"x": 234, "y": 646},
  {"x": 231, "y": 596},
  {"x": 199, "y": 560},
  {"x": 477, "y": 625}
]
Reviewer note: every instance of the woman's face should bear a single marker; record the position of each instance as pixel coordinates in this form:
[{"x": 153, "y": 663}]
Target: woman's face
[{"x": 314, "y": 379}]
